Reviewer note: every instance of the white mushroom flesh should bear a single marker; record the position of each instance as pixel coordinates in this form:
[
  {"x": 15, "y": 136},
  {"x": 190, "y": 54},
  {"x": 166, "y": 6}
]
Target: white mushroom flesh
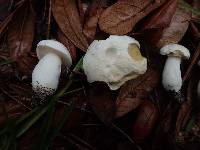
[
  {"x": 171, "y": 77},
  {"x": 45, "y": 76},
  {"x": 114, "y": 61}
]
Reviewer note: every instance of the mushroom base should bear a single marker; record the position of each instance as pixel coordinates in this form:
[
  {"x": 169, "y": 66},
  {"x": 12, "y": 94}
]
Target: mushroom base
[{"x": 46, "y": 75}]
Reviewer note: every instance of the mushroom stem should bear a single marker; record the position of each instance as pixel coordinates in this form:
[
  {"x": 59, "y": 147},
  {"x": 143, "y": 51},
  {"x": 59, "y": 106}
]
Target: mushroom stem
[
  {"x": 46, "y": 74},
  {"x": 171, "y": 77}
]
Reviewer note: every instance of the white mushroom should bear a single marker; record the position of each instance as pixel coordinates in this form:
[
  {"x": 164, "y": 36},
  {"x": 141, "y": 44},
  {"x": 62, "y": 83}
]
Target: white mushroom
[
  {"x": 171, "y": 76},
  {"x": 45, "y": 76},
  {"x": 198, "y": 87},
  {"x": 114, "y": 61}
]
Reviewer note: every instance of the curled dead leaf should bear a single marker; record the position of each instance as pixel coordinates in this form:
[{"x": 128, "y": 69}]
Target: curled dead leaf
[
  {"x": 145, "y": 121},
  {"x": 133, "y": 92},
  {"x": 121, "y": 17},
  {"x": 159, "y": 20},
  {"x": 177, "y": 28},
  {"x": 63, "y": 10},
  {"x": 20, "y": 37},
  {"x": 90, "y": 25}
]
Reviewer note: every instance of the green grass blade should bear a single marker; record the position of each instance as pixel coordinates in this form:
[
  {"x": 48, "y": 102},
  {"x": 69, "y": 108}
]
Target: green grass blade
[
  {"x": 5, "y": 62},
  {"x": 55, "y": 132},
  {"x": 27, "y": 115},
  {"x": 190, "y": 124},
  {"x": 46, "y": 126},
  {"x": 23, "y": 128}
]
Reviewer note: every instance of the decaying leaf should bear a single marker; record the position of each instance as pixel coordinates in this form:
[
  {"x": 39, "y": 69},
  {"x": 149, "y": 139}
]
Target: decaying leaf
[
  {"x": 20, "y": 37},
  {"x": 63, "y": 10},
  {"x": 176, "y": 29},
  {"x": 63, "y": 39},
  {"x": 90, "y": 25},
  {"x": 102, "y": 101},
  {"x": 81, "y": 11},
  {"x": 161, "y": 18},
  {"x": 121, "y": 17},
  {"x": 154, "y": 25},
  {"x": 145, "y": 121},
  {"x": 134, "y": 91}
]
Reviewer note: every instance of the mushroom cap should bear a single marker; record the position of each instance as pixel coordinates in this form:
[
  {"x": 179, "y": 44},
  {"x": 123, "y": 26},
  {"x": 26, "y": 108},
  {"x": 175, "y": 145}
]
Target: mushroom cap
[
  {"x": 110, "y": 61},
  {"x": 51, "y": 46},
  {"x": 175, "y": 50}
]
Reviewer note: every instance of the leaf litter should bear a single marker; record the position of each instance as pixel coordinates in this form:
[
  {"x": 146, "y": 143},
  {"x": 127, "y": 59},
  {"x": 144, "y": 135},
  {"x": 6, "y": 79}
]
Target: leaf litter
[{"x": 140, "y": 115}]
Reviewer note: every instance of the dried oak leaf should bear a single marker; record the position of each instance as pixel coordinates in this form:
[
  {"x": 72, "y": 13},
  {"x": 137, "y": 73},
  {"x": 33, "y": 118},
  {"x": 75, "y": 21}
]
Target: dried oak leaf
[
  {"x": 121, "y": 17},
  {"x": 177, "y": 28},
  {"x": 63, "y": 39},
  {"x": 102, "y": 101},
  {"x": 158, "y": 21},
  {"x": 90, "y": 25},
  {"x": 20, "y": 37},
  {"x": 162, "y": 17},
  {"x": 145, "y": 121},
  {"x": 133, "y": 92},
  {"x": 81, "y": 11},
  {"x": 66, "y": 15}
]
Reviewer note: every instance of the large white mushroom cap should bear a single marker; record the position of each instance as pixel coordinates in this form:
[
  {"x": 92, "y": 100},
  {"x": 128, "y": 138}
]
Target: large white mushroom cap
[
  {"x": 175, "y": 50},
  {"x": 51, "y": 46},
  {"x": 114, "y": 61}
]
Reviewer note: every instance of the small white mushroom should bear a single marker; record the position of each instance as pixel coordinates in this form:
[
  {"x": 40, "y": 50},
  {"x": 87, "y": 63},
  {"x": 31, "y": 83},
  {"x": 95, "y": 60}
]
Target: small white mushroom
[
  {"x": 171, "y": 76},
  {"x": 198, "y": 87},
  {"x": 114, "y": 61},
  {"x": 45, "y": 76}
]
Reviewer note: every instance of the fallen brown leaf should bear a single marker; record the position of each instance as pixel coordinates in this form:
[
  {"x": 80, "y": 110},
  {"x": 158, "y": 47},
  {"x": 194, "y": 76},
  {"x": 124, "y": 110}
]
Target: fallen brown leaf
[
  {"x": 121, "y": 17},
  {"x": 81, "y": 11},
  {"x": 176, "y": 29},
  {"x": 63, "y": 39},
  {"x": 90, "y": 25},
  {"x": 134, "y": 91},
  {"x": 145, "y": 121},
  {"x": 20, "y": 37},
  {"x": 154, "y": 25},
  {"x": 161, "y": 18},
  {"x": 66, "y": 15}
]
